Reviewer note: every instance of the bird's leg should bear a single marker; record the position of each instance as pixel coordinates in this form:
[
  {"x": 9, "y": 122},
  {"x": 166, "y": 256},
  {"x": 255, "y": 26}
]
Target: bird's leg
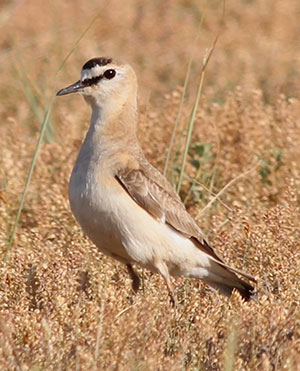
[
  {"x": 163, "y": 270},
  {"x": 173, "y": 298},
  {"x": 135, "y": 278}
]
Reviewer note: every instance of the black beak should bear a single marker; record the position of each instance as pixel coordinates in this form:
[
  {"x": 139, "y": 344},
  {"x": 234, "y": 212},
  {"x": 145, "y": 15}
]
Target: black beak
[{"x": 71, "y": 89}]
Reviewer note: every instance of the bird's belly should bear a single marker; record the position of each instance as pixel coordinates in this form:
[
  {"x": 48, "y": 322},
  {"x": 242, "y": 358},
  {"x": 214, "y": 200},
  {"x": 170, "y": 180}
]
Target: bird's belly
[
  {"x": 116, "y": 224},
  {"x": 120, "y": 228}
]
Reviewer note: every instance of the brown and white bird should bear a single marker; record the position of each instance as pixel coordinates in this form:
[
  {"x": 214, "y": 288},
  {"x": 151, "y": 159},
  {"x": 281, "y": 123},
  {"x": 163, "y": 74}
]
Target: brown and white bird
[{"x": 125, "y": 205}]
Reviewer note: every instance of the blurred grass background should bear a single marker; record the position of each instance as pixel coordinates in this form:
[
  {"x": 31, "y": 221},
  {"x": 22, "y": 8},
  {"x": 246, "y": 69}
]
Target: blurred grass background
[{"x": 65, "y": 306}]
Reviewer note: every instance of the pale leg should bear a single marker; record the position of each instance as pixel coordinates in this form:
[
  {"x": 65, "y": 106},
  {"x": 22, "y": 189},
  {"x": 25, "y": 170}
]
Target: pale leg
[{"x": 163, "y": 270}]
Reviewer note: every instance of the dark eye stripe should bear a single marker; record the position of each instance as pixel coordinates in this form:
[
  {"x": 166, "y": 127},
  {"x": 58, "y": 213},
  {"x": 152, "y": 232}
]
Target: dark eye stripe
[
  {"x": 92, "y": 80},
  {"x": 108, "y": 74}
]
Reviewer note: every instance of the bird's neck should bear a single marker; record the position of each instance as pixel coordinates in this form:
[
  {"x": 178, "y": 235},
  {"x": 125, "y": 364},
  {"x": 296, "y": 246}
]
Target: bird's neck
[{"x": 113, "y": 132}]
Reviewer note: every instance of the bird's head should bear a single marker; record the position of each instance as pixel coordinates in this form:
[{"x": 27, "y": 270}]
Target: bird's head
[{"x": 106, "y": 84}]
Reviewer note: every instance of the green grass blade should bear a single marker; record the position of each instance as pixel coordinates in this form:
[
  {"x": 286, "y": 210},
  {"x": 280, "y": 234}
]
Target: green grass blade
[
  {"x": 206, "y": 60},
  {"x": 42, "y": 132},
  {"x": 31, "y": 97},
  {"x": 190, "y": 130},
  {"x": 187, "y": 77}
]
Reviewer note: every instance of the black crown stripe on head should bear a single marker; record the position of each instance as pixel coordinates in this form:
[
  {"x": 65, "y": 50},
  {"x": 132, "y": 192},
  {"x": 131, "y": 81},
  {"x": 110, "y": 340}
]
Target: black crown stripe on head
[{"x": 96, "y": 62}]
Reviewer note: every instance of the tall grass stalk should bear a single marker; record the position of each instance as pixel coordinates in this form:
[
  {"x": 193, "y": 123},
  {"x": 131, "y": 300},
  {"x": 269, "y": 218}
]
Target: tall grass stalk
[
  {"x": 178, "y": 117},
  {"x": 41, "y": 136},
  {"x": 35, "y": 155},
  {"x": 205, "y": 62},
  {"x": 186, "y": 80},
  {"x": 232, "y": 345},
  {"x": 193, "y": 115},
  {"x": 31, "y": 97},
  {"x": 187, "y": 76}
]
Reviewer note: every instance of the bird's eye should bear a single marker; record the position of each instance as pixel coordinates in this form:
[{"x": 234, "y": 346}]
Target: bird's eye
[{"x": 109, "y": 74}]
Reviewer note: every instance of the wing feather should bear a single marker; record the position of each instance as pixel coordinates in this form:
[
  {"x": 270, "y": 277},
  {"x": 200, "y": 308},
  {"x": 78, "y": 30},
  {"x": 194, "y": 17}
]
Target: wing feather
[{"x": 150, "y": 190}]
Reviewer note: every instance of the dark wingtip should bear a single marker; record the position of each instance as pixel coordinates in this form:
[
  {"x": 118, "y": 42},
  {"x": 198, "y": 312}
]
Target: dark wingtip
[
  {"x": 98, "y": 61},
  {"x": 248, "y": 292}
]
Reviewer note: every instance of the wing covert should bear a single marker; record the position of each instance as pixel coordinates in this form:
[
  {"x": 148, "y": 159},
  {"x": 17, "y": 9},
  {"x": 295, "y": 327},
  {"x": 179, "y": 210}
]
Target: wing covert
[{"x": 150, "y": 190}]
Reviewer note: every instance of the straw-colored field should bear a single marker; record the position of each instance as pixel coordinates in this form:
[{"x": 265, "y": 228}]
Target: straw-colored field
[{"x": 63, "y": 305}]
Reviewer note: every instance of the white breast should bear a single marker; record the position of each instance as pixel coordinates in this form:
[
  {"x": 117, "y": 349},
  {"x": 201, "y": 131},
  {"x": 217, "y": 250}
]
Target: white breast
[{"x": 93, "y": 198}]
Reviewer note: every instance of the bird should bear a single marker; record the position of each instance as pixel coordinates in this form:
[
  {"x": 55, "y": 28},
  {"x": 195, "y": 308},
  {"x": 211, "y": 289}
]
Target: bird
[{"x": 125, "y": 205}]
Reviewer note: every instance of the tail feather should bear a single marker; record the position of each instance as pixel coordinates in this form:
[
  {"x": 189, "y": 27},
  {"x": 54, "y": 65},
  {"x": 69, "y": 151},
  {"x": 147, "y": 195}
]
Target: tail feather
[
  {"x": 226, "y": 288},
  {"x": 246, "y": 292},
  {"x": 224, "y": 279},
  {"x": 234, "y": 270}
]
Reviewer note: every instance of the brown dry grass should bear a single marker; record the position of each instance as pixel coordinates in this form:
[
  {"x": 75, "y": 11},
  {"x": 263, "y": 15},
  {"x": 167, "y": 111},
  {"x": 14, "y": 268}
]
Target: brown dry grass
[{"x": 64, "y": 305}]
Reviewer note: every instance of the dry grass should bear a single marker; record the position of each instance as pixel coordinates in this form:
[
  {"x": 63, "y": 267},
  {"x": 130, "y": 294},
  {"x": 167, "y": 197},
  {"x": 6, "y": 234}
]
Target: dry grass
[{"x": 64, "y": 305}]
